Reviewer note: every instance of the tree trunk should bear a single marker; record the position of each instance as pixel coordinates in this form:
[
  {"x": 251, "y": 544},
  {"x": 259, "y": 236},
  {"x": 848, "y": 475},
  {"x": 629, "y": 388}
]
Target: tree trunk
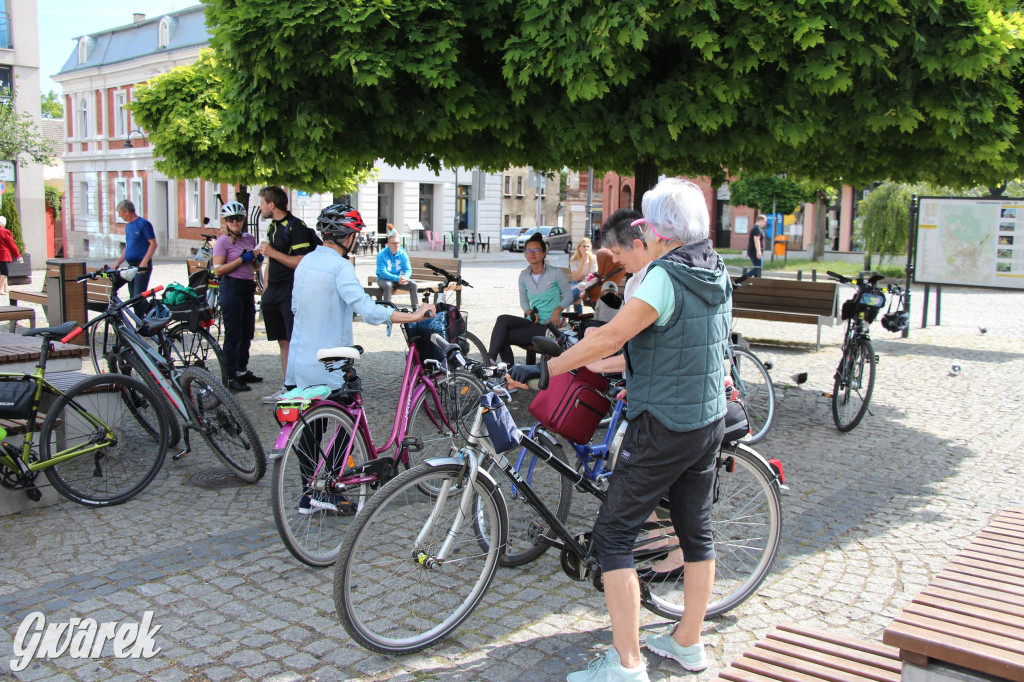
[
  {"x": 820, "y": 228},
  {"x": 645, "y": 175}
]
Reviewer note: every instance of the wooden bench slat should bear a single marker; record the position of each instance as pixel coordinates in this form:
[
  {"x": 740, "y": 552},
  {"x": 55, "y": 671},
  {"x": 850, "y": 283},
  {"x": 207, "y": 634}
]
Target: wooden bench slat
[
  {"x": 831, "y": 638},
  {"x": 855, "y": 663},
  {"x": 995, "y": 550},
  {"x": 878, "y": 655},
  {"x": 984, "y": 578},
  {"x": 739, "y": 675},
  {"x": 777, "y": 671},
  {"x": 963, "y": 630},
  {"x": 951, "y": 648},
  {"x": 991, "y": 602},
  {"x": 987, "y": 609},
  {"x": 1013, "y": 570},
  {"x": 989, "y": 543},
  {"x": 981, "y": 591}
]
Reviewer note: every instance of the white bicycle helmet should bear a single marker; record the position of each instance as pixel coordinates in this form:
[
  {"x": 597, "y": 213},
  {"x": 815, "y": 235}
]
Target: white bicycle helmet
[{"x": 232, "y": 208}]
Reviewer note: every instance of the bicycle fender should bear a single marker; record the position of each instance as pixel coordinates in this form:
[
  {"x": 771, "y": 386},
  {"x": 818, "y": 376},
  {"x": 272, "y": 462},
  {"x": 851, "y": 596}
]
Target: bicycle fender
[
  {"x": 282, "y": 441},
  {"x": 442, "y": 461},
  {"x": 773, "y": 473}
]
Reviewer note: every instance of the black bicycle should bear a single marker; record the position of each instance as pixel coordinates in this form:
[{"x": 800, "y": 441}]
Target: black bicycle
[{"x": 855, "y": 375}]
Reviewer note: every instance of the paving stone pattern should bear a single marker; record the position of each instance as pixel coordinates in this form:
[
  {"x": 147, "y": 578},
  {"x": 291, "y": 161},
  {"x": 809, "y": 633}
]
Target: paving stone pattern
[{"x": 869, "y": 517}]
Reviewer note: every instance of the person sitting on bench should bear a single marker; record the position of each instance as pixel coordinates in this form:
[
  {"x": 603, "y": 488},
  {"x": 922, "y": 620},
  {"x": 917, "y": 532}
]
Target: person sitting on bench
[{"x": 394, "y": 270}]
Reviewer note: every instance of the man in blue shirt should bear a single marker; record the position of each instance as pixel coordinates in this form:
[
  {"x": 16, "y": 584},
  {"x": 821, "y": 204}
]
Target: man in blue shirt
[
  {"x": 394, "y": 269},
  {"x": 139, "y": 247},
  {"x": 325, "y": 294}
]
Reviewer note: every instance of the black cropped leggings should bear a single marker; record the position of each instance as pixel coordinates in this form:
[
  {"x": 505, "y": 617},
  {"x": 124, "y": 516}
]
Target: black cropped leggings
[{"x": 511, "y": 330}]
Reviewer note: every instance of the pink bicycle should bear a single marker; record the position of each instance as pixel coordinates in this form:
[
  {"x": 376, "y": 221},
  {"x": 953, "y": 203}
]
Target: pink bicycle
[{"x": 326, "y": 464}]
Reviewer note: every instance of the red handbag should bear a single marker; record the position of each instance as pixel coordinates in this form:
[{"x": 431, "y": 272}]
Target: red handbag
[{"x": 573, "y": 404}]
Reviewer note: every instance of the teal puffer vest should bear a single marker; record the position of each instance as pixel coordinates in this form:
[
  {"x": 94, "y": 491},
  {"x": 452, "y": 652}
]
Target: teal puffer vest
[{"x": 676, "y": 371}]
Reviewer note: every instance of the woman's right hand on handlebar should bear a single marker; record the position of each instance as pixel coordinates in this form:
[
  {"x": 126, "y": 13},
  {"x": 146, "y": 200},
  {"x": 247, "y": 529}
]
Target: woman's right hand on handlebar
[{"x": 424, "y": 311}]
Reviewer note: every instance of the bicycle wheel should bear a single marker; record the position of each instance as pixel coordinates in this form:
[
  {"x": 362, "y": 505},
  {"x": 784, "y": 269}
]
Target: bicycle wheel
[
  {"x": 474, "y": 349},
  {"x": 132, "y": 452},
  {"x": 309, "y": 469},
  {"x": 851, "y": 392},
  {"x": 459, "y": 395},
  {"x": 746, "y": 521},
  {"x": 754, "y": 384},
  {"x": 103, "y": 339},
  {"x": 524, "y": 524},
  {"x": 126, "y": 362},
  {"x": 224, "y": 424},
  {"x": 392, "y": 594},
  {"x": 198, "y": 348}
]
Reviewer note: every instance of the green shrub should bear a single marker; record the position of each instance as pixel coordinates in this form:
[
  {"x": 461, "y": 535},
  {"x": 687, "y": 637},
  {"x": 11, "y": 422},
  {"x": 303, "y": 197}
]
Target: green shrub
[
  {"x": 10, "y": 211},
  {"x": 53, "y": 200}
]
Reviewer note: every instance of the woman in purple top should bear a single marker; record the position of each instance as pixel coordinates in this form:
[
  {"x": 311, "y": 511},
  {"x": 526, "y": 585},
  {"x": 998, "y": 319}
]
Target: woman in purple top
[{"x": 235, "y": 263}]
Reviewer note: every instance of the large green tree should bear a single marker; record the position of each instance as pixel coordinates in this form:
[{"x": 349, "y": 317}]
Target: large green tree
[
  {"x": 825, "y": 89},
  {"x": 52, "y": 106},
  {"x": 764, "y": 191}
]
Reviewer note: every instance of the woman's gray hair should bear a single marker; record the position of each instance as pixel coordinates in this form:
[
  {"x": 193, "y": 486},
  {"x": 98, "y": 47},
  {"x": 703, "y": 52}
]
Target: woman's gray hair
[{"x": 677, "y": 210}]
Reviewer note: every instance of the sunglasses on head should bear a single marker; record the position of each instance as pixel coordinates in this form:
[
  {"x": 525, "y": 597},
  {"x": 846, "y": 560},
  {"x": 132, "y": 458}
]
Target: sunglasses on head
[{"x": 640, "y": 222}]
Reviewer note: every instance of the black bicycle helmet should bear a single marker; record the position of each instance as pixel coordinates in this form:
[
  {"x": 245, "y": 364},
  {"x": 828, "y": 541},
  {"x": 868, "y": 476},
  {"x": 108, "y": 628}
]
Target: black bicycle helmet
[
  {"x": 338, "y": 221},
  {"x": 896, "y": 322}
]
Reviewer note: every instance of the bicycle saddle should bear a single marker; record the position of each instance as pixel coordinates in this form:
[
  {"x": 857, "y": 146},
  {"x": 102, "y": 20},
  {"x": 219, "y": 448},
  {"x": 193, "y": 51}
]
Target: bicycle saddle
[
  {"x": 339, "y": 353},
  {"x": 53, "y": 333}
]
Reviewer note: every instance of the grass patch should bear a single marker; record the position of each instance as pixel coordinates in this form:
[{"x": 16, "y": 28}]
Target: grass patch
[{"x": 843, "y": 268}]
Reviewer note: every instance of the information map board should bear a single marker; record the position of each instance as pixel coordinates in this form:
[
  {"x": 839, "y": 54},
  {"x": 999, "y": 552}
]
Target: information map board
[{"x": 970, "y": 242}]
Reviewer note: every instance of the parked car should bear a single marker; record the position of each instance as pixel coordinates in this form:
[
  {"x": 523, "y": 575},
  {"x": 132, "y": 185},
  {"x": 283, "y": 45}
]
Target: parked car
[
  {"x": 508, "y": 237},
  {"x": 557, "y": 238}
]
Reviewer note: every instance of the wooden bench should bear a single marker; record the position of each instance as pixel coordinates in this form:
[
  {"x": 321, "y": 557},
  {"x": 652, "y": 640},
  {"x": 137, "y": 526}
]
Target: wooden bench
[
  {"x": 420, "y": 275},
  {"x": 968, "y": 622},
  {"x": 97, "y": 294},
  {"x": 787, "y": 300},
  {"x": 794, "y": 654},
  {"x": 12, "y": 314}
]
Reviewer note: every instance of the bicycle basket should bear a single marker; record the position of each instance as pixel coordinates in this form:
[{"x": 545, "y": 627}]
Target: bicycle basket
[
  {"x": 194, "y": 313},
  {"x": 16, "y": 398},
  {"x": 868, "y": 303}
]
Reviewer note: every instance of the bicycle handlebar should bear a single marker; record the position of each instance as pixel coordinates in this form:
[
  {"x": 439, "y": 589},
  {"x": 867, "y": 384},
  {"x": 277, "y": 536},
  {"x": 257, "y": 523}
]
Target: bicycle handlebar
[
  {"x": 447, "y": 275},
  {"x": 150, "y": 292},
  {"x": 74, "y": 332}
]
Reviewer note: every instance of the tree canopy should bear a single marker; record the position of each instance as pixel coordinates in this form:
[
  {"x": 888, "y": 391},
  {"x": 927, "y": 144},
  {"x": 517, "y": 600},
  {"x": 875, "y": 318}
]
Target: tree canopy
[
  {"x": 20, "y": 138},
  {"x": 823, "y": 89},
  {"x": 762, "y": 191},
  {"x": 51, "y": 105}
]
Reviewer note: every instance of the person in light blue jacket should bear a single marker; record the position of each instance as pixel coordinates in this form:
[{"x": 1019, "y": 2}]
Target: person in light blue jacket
[
  {"x": 326, "y": 294},
  {"x": 394, "y": 269}
]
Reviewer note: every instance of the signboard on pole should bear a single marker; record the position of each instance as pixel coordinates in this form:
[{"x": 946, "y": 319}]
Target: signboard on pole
[
  {"x": 970, "y": 242},
  {"x": 8, "y": 171}
]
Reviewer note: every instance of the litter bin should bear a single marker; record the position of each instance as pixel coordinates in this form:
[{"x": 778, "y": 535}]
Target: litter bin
[{"x": 780, "y": 243}]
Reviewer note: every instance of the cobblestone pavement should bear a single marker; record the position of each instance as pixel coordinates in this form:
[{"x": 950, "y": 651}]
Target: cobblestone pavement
[{"x": 870, "y": 516}]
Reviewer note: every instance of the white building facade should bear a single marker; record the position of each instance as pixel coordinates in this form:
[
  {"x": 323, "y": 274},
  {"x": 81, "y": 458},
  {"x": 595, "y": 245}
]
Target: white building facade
[
  {"x": 102, "y": 167},
  {"x": 19, "y": 68}
]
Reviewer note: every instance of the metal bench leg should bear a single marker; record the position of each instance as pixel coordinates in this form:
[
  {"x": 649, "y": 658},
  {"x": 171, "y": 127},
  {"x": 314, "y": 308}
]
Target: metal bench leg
[{"x": 817, "y": 346}]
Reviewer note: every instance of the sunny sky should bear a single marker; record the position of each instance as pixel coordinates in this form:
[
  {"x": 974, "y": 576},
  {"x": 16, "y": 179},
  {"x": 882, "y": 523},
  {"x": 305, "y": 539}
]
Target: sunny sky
[{"x": 61, "y": 21}]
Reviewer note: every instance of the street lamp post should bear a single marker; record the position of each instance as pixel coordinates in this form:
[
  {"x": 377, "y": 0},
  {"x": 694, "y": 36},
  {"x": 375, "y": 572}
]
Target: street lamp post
[{"x": 128, "y": 140}]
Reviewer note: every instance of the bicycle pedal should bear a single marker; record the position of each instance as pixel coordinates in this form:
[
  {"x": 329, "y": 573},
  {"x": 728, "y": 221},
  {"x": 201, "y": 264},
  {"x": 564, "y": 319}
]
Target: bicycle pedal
[
  {"x": 412, "y": 444},
  {"x": 184, "y": 451}
]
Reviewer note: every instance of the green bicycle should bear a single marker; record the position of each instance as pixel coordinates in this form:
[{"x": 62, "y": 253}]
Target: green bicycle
[{"x": 100, "y": 443}]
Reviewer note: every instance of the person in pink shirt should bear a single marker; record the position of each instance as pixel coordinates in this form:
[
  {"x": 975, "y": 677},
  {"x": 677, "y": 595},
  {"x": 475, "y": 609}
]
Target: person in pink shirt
[
  {"x": 8, "y": 252},
  {"x": 234, "y": 261}
]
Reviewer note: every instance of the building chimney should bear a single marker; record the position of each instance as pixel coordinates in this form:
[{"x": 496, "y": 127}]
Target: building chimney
[{"x": 138, "y": 17}]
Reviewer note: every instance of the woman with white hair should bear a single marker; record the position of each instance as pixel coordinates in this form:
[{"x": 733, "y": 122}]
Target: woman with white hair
[
  {"x": 674, "y": 329},
  {"x": 8, "y": 252}
]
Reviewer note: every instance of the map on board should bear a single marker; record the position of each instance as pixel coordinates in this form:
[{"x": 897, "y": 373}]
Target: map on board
[{"x": 970, "y": 242}]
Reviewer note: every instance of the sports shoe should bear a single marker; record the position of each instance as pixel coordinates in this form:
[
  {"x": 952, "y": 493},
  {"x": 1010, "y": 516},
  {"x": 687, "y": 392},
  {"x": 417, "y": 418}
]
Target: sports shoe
[
  {"x": 237, "y": 385},
  {"x": 274, "y": 397},
  {"x": 310, "y": 504},
  {"x": 690, "y": 657},
  {"x": 247, "y": 377},
  {"x": 608, "y": 668}
]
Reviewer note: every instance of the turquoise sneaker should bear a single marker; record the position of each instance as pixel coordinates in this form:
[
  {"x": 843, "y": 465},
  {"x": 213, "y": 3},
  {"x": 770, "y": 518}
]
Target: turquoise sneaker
[
  {"x": 608, "y": 668},
  {"x": 690, "y": 657}
]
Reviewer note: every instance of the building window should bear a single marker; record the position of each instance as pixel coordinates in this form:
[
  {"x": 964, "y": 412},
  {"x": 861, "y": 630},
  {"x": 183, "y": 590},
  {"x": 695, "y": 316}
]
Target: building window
[
  {"x": 519, "y": 221},
  {"x": 192, "y": 204},
  {"x": 165, "y": 32},
  {"x": 84, "y": 44},
  {"x": 140, "y": 207},
  {"x": 88, "y": 199},
  {"x": 519, "y": 186},
  {"x": 508, "y": 186},
  {"x": 120, "y": 194},
  {"x": 6, "y": 79},
  {"x": 627, "y": 198},
  {"x": 83, "y": 116},
  {"x": 507, "y": 219},
  {"x": 121, "y": 126}
]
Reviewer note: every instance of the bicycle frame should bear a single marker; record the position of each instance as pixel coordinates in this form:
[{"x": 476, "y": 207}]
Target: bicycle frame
[
  {"x": 415, "y": 383},
  {"x": 24, "y": 461}
]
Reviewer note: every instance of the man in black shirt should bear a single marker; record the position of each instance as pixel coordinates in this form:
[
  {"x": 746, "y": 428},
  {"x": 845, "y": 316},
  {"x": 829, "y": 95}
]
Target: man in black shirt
[
  {"x": 287, "y": 241},
  {"x": 755, "y": 244}
]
